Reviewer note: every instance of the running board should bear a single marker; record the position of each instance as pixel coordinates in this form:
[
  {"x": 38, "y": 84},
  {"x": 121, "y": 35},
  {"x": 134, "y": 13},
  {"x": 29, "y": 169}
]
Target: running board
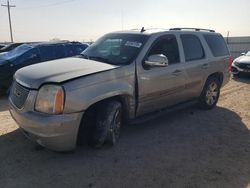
[{"x": 164, "y": 111}]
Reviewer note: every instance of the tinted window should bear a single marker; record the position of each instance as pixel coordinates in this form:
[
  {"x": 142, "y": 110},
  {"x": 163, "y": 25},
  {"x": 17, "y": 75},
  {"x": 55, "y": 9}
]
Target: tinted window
[
  {"x": 75, "y": 49},
  {"x": 47, "y": 52},
  {"x": 193, "y": 49},
  {"x": 217, "y": 45},
  {"x": 167, "y": 46},
  {"x": 59, "y": 51},
  {"x": 80, "y": 48}
]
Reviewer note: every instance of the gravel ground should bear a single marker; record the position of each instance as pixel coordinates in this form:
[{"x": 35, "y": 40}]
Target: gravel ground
[{"x": 186, "y": 148}]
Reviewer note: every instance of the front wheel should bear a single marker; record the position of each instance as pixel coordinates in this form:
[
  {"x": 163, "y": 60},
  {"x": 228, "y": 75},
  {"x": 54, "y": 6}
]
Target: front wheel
[
  {"x": 108, "y": 124},
  {"x": 210, "y": 94}
]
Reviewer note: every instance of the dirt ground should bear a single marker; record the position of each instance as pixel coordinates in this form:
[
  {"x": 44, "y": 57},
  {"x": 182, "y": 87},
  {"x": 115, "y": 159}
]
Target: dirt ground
[{"x": 186, "y": 148}]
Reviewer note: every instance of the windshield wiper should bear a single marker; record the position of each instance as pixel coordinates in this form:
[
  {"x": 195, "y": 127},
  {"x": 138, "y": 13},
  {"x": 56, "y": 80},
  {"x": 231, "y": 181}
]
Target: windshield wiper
[
  {"x": 101, "y": 59},
  {"x": 96, "y": 58},
  {"x": 84, "y": 56}
]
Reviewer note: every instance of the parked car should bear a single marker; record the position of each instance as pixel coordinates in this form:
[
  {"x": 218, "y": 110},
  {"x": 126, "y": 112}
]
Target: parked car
[
  {"x": 2, "y": 45},
  {"x": 119, "y": 78},
  {"x": 241, "y": 65},
  {"x": 28, "y": 54},
  {"x": 10, "y": 47}
]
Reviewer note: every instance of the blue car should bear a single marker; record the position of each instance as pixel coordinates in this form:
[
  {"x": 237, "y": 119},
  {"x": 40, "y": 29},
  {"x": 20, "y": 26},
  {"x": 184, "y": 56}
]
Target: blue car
[{"x": 28, "y": 54}]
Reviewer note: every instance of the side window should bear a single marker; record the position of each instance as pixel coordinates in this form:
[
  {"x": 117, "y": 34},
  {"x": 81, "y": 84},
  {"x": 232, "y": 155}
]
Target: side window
[
  {"x": 46, "y": 52},
  {"x": 74, "y": 49},
  {"x": 217, "y": 45},
  {"x": 79, "y": 49},
  {"x": 70, "y": 50},
  {"x": 193, "y": 49},
  {"x": 59, "y": 51},
  {"x": 167, "y": 46}
]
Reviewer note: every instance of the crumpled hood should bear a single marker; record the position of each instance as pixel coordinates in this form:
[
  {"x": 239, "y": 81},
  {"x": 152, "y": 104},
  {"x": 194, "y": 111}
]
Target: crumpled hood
[
  {"x": 60, "y": 70},
  {"x": 243, "y": 59}
]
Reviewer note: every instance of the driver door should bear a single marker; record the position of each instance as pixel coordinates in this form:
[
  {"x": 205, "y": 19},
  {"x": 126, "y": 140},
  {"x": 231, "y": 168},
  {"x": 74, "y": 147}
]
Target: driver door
[{"x": 159, "y": 87}]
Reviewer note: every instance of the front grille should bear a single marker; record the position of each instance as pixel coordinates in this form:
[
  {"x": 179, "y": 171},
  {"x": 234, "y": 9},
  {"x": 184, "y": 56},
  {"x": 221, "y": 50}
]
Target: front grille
[
  {"x": 18, "y": 94},
  {"x": 244, "y": 66}
]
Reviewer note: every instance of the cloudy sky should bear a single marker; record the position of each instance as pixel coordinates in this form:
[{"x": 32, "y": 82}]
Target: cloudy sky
[{"x": 39, "y": 20}]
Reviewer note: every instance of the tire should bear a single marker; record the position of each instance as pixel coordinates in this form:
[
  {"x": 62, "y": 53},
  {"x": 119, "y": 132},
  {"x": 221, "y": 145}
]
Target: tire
[
  {"x": 236, "y": 75},
  {"x": 210, "y": 94},
  {"x": 108, "y": 124}
]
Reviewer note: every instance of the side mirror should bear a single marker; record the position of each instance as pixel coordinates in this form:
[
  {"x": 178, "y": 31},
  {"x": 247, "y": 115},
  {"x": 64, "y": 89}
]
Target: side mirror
[
  {"x": 158, "y": 60},
  {"x": 243, "y": 53}
]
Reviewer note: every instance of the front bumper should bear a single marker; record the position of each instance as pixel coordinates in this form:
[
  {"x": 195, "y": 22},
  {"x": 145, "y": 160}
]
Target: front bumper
[
  {"x": 237, "y": 70},
  {"x": 55, "y": 132}
]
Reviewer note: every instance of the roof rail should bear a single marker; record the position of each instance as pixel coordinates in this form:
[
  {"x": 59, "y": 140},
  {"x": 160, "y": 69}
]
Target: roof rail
[{"x": 186, "y": 28}]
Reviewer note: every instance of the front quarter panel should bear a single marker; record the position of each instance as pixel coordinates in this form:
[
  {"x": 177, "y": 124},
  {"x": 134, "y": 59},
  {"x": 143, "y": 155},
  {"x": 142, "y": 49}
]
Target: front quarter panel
[{"x": 83, "y": 92}]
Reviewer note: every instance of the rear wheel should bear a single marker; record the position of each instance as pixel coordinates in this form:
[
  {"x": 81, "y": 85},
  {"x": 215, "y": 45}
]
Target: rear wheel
[
  {"x": 210, "y": 93},
  {"x": 108, "y": 124}
]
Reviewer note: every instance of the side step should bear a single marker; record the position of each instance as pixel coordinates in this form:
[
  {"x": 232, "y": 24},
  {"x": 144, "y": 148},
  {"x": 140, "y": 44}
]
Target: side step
[{"x": 165, "y": 111}]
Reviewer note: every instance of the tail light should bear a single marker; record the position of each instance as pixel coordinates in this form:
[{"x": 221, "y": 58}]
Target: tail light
[{"x": 230, "y": 64}]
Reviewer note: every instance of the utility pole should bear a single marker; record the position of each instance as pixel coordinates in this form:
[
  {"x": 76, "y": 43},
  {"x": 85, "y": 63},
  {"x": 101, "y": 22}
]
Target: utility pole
[
  {"x": 122, "y": 19},
  {"x": 9, "y": 6}
]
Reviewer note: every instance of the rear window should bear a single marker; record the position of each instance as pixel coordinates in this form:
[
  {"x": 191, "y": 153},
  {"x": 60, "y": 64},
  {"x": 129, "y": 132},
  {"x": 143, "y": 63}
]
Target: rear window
[
  {"x": 193, "y": 49},
  {"x": 217, "y": 45}
]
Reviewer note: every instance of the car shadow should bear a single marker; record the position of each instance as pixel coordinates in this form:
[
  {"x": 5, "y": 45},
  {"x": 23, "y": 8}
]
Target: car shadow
[
  {"x": 185, "y": 148},
  {"x": 3, "y": 103},
  {"x": 244, "y": 79}
]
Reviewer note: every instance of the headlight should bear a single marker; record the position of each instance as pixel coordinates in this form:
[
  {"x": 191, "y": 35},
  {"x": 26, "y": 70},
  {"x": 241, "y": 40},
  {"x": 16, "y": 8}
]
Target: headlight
[
  {"x": 50, "y": 99},
  {"x": 236, "y": 63}
]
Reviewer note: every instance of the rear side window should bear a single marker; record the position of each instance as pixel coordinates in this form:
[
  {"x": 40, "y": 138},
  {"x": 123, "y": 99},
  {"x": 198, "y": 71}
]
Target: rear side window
[
  {"x": 217, "y": 45},
  {"x": 193, "y": 49}
]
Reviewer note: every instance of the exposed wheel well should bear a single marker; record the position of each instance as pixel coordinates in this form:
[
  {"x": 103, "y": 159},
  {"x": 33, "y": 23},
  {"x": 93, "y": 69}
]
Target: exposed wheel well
[
  {"x": 218, "y": 75},
  {"x": 88, "y": 119}
]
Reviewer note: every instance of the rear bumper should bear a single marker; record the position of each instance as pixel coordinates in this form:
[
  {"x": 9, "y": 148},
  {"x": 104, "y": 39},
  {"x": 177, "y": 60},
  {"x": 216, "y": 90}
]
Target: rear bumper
[{"x": 55, "y": 132}]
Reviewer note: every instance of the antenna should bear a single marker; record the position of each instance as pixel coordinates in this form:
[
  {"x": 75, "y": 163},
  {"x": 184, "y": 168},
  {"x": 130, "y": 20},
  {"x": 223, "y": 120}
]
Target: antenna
[
  {"x": 122, "y": 19},
  {"x": 142, "y": 30}
]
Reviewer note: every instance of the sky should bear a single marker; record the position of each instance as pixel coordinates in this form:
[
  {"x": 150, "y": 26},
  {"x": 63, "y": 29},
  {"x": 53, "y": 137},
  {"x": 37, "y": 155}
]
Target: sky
[{"x": 85, "y": 20}]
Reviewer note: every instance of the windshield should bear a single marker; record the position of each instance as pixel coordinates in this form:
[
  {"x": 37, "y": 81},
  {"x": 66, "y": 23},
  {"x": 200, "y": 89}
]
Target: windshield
[
  {"x": 15, "y": 52},
  {"x": 248, "y": 53},
  {"x": 117, "y": 49}
]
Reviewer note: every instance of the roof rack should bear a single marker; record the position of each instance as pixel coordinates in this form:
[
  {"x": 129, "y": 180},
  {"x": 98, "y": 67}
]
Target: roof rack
[{"x": 186, "y": 28}]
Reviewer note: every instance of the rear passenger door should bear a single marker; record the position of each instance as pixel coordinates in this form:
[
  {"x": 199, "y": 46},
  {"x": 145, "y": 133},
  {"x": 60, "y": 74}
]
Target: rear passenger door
[{"x": 195, "y": 65}]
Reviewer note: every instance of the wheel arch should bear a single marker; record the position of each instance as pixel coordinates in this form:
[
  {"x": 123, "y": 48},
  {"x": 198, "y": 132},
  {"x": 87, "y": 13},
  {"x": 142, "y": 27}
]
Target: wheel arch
[
  {"x": 86, "y": 120},
  {"x": 218, "y": 75}
]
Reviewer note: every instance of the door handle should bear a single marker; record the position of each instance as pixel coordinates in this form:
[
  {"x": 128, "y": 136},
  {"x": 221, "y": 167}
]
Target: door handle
[
  {"x": 205, "y": 66},
  {"x": 176, "y": 72}
]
